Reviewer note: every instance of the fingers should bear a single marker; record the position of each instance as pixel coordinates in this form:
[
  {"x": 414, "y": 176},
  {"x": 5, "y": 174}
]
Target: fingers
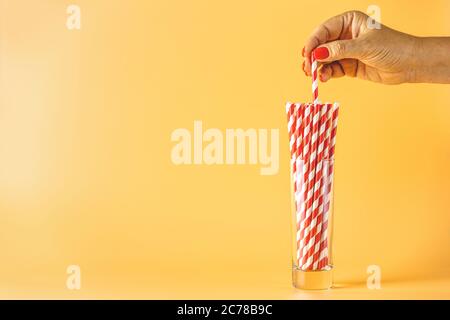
[
  {"x": 338, "y": 50},
  {"x": 328, "y": 31},
  {"x": 335, "y": 29},
  {"x": 337, "y": 69},
  {"x": 331, "y": 70}
]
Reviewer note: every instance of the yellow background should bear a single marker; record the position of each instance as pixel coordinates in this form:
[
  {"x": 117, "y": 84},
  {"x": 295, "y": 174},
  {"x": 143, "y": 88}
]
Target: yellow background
[{"x": 86, "y": 176}]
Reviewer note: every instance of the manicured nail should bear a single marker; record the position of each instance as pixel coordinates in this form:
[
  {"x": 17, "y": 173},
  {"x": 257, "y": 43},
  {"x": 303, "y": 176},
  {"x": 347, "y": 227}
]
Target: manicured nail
[
  {"x": 303, "y": 52},
  {"x": 321, "y": 53}
]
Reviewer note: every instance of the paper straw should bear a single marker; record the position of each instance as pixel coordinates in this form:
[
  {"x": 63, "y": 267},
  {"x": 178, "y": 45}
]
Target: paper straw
[
  {"x": 307, "y": 121},
  {"x": 291, "y": 119},
  {"x": 295, "y": 146},
  {"x": 311, "y": 179},
  {"x": 324, "y": 214},
  {"x": 323, "y": 256},
  {"x": 312, "y": 138},
  {"x": 314, "y": 231},
  {"x": 299, "y": 146},
  {"x": 294, "y": 114},
  {"x": 315, "y": 82},
  {"x": 315, "y": 91},
  {"x": 291, "y": 123},
  {"x": 298, "y": 174}
]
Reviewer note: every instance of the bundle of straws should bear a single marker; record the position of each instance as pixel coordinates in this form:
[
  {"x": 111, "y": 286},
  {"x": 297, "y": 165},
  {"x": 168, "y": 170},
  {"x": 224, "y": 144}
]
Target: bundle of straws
[{"x": 312, "y": 137}]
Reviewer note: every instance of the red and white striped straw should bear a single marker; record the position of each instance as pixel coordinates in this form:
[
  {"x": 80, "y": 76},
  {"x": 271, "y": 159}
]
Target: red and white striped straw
[
  {"x": 312, "y": 162},
  {"x": 310, "y": 181},
  {"x": 325, "y": 179},
  {"x": 323, "y": 259},
  {"x": 315, "y": 82},
  {"x": 307, "y": 121},
  {"x": 313, "y": 236},
  {"x": 312, "y": 138},
  {"x": 298, "y": 177},
  {"x": 291, "y": 118},
  {"x": 291, "y": 125},
  {"x": 294, "y": 112}
]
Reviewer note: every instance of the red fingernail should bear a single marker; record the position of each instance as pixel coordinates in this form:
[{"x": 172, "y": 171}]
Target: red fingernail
[
  {"x": 303, "y": 52},
  {"x": 321, "y": 53}
]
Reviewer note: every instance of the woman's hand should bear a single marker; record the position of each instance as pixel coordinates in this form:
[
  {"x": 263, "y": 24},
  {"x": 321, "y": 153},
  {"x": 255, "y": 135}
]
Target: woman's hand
[{"x": 345, "y": 45}]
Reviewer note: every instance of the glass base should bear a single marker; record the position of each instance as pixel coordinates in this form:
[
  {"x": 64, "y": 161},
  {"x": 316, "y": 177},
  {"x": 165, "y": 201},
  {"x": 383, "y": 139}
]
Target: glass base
[{"x": 312, "y": 280}]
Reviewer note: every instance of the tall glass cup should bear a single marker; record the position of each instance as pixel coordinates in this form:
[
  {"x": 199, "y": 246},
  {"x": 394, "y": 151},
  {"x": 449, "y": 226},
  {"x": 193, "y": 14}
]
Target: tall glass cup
[{"x": 312, "y": 222}]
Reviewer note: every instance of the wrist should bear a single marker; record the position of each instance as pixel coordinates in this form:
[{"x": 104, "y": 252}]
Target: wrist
[
  {"x": 431, "y": 62},
  {"x": 417, "y": 71}
]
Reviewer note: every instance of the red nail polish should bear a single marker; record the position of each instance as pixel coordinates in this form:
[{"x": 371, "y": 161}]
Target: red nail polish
[
  {"x": 303, "y": 52},
  {"x": 321, "y": 53}
]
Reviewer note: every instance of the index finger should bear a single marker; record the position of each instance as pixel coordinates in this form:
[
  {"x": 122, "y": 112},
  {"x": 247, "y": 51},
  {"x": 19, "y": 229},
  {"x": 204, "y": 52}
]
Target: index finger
[{"x": 334, "y": 28}]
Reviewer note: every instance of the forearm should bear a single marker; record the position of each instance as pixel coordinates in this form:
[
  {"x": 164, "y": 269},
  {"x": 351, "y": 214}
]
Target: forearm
[{"x": 432, "y": 60}]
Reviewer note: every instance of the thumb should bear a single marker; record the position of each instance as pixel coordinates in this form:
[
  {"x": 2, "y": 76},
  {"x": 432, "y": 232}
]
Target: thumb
[{"x": 337, "y": 50}]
